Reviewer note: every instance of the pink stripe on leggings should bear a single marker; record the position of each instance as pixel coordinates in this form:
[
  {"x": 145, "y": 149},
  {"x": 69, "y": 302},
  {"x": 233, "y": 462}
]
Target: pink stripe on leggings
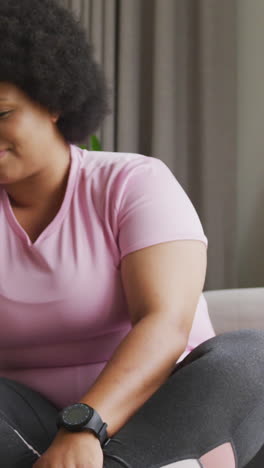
[{"x": 223, "y": 455}]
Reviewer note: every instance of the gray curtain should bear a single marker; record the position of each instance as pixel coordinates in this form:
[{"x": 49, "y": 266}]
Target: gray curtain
[{"x": 172, "y": 68}]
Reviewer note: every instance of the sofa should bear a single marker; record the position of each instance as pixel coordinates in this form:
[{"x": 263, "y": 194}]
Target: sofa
[{"x": 233, "y": 309}]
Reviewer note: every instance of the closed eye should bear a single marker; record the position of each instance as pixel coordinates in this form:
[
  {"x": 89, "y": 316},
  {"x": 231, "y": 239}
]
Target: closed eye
[{"x": 2, "y": 114}]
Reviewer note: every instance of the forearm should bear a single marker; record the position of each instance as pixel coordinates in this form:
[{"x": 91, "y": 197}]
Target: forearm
[{"x": 139, "y": 366}]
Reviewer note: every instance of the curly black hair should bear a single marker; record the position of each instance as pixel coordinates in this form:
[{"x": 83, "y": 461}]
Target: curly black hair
[{"x": 44, "y": 52}]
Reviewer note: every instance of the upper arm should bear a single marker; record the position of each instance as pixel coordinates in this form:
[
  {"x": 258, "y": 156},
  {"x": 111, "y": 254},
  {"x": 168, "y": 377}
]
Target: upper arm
[{"x": 167, "y": 278}]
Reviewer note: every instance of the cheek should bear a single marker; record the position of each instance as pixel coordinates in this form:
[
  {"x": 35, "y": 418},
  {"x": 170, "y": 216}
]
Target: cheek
[
  {"x": 17, "y": 136},
  {"x": 31, "y": 132},
  {"x": 20, "y": 133},
  {"x": 11, "y": 131}
]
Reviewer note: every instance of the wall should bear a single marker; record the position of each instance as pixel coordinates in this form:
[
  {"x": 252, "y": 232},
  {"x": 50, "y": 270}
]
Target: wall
[{"x": 250, "y": 245}]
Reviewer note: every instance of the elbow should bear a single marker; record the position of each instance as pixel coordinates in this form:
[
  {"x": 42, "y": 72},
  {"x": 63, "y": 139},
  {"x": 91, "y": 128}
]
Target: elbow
[
  {"x": 179, "y": 337},
  {"x": 182, "y": 339},
  {"x": 177, "y": 340}
]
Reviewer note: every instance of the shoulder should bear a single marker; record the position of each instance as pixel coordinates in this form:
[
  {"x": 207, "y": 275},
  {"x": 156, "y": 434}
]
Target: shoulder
[
  {"x": 120, "y": 169},
  {"x": 100, "y": 162},
  {"x": 139, "y": 195},
  {"x": 122, "y": 175}
]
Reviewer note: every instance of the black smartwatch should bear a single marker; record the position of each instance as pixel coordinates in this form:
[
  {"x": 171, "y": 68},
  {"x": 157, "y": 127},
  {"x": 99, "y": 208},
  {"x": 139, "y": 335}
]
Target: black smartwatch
[{"x": 80, "y": 417}]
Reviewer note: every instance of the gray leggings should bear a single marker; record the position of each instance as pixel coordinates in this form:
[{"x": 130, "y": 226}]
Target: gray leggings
[{"x": 209, "y": 413}]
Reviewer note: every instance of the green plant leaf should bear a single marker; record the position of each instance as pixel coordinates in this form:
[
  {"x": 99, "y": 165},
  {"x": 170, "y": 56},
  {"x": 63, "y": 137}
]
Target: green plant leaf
[{"x": 95, "y": 144}]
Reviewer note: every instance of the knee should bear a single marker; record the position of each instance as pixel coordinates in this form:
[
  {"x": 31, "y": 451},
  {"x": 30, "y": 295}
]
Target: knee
[
  {"x": 236, "y": 345},
  {"x": 245, "y": 343},
  {"x": 241, "y": 355}
]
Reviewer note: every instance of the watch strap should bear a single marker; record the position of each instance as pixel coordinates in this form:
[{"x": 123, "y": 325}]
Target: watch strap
[
  {"x": 95, "y": 425},
  {"x": 98, "y": 427}
]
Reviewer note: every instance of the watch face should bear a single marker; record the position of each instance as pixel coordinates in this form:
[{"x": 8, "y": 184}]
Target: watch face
[{"x": 76, "y": 415}]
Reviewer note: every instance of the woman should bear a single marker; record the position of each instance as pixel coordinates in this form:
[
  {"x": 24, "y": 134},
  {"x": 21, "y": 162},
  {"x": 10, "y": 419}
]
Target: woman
[{"x": 103, "y": 261}]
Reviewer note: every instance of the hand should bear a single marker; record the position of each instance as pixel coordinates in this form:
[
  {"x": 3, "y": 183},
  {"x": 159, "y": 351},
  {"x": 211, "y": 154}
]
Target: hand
[{"x": 72, "y": 450}]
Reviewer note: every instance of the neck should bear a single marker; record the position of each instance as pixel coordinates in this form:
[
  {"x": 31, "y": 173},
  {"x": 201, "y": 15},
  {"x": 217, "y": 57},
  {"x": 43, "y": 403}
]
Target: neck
[{"x": 44, "y": 187}]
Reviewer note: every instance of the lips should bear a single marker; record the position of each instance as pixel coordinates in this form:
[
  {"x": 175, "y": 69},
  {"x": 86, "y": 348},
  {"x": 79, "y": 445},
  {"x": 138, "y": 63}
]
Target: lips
[{"x": 3, "y": 153}]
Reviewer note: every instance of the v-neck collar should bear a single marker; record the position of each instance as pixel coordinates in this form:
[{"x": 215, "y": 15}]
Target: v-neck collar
[{"x": 57, "y": 220}]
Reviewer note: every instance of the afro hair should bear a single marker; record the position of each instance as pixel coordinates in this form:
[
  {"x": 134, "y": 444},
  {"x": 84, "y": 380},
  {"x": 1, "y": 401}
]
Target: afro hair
[{"x": 45, "y": 53}]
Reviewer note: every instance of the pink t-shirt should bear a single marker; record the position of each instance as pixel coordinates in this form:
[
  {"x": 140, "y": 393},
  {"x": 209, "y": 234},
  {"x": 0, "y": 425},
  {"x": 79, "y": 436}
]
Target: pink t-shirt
[{"x": 62, "y": 306}]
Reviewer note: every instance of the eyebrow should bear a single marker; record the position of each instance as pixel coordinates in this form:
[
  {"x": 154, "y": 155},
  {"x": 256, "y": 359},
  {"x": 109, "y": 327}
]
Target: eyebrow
[{"x": 3, "y": 99}]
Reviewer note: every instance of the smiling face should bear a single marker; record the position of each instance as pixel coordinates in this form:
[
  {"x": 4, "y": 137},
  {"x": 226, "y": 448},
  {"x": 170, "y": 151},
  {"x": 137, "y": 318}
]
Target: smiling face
[{"x": 28, "y": 132}]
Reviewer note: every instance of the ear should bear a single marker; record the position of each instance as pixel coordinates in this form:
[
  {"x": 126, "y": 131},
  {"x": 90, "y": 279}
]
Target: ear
[{"x": 55, "y": 117}]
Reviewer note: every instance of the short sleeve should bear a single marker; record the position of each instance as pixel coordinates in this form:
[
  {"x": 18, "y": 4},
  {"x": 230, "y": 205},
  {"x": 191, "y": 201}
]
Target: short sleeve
[{"x": 152, "y": 208}]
